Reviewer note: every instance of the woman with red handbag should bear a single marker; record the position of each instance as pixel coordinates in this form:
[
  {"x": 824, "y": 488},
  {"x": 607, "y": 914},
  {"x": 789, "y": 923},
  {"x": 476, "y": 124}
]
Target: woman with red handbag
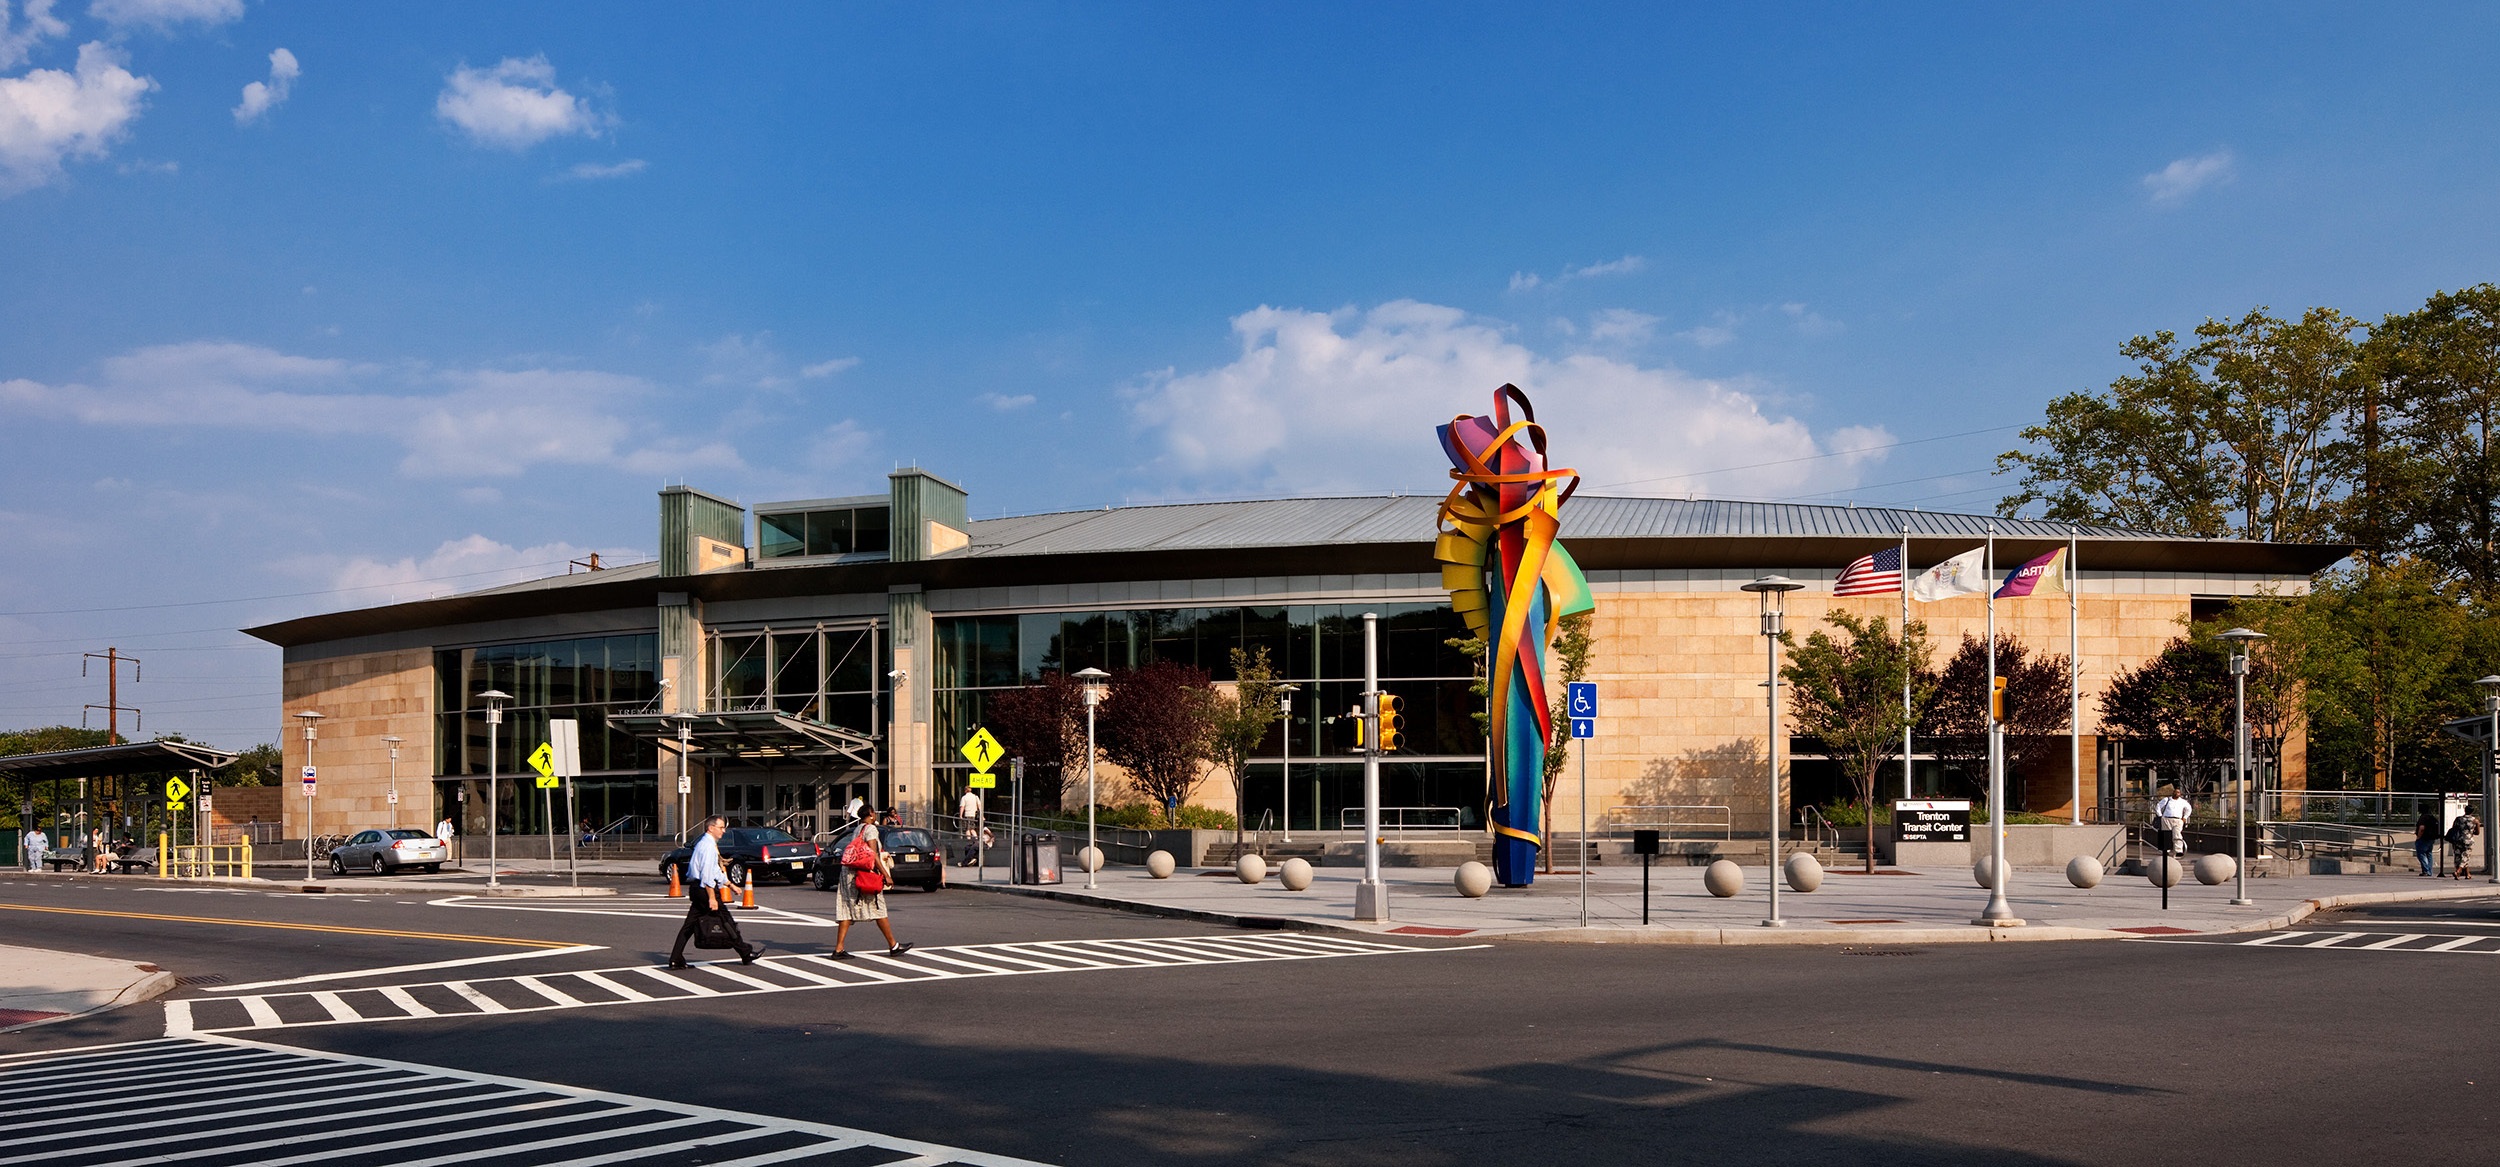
[{"x": 860, "y": 895}]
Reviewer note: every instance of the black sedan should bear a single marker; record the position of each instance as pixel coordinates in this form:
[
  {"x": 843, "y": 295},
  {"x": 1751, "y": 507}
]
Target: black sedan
[
  {"x": 913, "y": 852},
  {"x": 763, "y": 850}
]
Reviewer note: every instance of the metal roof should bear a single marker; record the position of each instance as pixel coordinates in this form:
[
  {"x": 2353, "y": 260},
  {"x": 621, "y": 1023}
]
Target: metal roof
[{"x": 110, "y": 761}]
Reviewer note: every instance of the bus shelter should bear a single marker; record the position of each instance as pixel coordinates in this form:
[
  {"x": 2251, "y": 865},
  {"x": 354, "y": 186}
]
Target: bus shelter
[{"x": 122, "y": 790}]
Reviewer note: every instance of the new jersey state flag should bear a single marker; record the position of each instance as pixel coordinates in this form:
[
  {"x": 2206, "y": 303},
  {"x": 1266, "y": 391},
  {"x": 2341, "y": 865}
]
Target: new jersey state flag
[
  {"x": 2042, "y": 576},
  {"x": 1963, "y": 575}
]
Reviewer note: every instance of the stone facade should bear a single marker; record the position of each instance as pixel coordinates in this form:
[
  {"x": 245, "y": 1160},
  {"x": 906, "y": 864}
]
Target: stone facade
[{"x": 360, "y": 698}]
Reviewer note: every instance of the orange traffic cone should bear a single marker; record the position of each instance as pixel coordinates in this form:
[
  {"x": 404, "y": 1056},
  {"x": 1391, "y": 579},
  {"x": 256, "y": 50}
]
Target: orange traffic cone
[
  {"x": 748, "y": 900},
  {"x": 676, "y": 890}
]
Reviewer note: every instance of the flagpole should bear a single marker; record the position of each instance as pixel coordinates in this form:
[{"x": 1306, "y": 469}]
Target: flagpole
[
  {"x": 1998, "y": 912},
  {"x": 1906, "y": 764},
  {"x": 2074, "y": 684}
]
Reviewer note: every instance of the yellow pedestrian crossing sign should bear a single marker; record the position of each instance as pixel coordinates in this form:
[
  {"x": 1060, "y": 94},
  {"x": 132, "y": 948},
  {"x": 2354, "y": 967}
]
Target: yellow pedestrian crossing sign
[
  {"x": 176, "y": 790},
  {"x": 543, "y": 760},
  {"x": 983, "y": 751}
]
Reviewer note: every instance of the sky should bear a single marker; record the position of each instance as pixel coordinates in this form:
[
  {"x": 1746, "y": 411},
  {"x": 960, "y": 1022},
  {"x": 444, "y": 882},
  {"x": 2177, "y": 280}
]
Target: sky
[{"x": 313, "y": 306}]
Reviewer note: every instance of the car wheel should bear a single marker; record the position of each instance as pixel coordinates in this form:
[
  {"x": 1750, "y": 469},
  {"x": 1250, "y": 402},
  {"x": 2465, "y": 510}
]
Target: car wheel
[
  {"x": 823, "y": 879},
  {"x": 378, "y": 868},
  {"x": 933, "y": 885},
  {"x": 338, "y": 866},
  {"x": 736, "y": 871},
  {"x": 433, "y": 869}
]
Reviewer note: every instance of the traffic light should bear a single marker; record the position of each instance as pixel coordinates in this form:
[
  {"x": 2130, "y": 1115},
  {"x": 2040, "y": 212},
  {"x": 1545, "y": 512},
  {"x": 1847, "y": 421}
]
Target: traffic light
[
  {"x": 1392, "y": 723},
  {"x": 1996, "y": 702}
]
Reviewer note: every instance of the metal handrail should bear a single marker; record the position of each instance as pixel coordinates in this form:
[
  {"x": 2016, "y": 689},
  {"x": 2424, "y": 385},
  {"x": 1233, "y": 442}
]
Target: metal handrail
[
  {"x": 1813, "y": 828},
  {"x": 1621, "y": 820},
  {"x": 1351, "y": 818}
]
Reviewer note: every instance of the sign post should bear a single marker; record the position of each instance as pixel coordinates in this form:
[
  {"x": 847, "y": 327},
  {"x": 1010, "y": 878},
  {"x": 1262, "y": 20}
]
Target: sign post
[
  {"x": 543, "y": 760},
  {"x": 564, "y": 740},
  {"x": 983, "y": 751},
  {"x": 1583, "y": 709}
]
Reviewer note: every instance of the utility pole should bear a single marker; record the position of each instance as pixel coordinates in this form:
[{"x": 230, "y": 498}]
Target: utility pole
[{"x": 112, "y": 707}]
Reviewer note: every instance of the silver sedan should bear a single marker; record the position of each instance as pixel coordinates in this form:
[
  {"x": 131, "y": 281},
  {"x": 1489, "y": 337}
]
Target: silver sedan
[{"x": 383, "y": 852}]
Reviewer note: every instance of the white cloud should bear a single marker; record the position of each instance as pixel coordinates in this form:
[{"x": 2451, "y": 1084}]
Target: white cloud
[
  {"x": 1003, "y": 403},
  {"x": 260, "y": 97},
  {"x": 462, "y": 423},
  {"x": 840, "y": 446},
  {"x": 745, "y": 359},
  {"x": 2172, "y": 184},
  {"x": 48, "y": 116},
  {"x": 460, "y": 565},
  {"x": 1346, "y": 401},
  {"x": 515, "y": 105},
  {"x": 823, "y": 369},
  {"x": 1622, "y": 326},
  {"x": 1810, "y": 322},
  {"x": 1521, "y": 281},
  {"x": 1721, "y": 330},
  {"x": 163, "y": 15},
  {"x": 594, "y": 171},
  {"x": 17, "y": 40}
]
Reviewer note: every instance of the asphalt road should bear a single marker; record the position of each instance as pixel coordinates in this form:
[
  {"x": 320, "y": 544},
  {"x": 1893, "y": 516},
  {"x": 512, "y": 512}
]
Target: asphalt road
[{"x": 2180, "y": 1050}]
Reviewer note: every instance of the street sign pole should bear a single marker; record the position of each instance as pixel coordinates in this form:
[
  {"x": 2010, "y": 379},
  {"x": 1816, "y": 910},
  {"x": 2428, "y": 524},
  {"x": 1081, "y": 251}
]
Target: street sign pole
[
  {"x": 1582, "y": 706},
  {"x": 565, "y": 736},
  {"x": 1371, "y": 897}
]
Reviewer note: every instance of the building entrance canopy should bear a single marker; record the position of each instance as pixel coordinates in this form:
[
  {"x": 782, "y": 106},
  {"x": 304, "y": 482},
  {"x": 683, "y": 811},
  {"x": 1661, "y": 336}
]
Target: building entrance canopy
[
  {"x": 114, "y": 761},
  {"x": 761, "y": 737}
]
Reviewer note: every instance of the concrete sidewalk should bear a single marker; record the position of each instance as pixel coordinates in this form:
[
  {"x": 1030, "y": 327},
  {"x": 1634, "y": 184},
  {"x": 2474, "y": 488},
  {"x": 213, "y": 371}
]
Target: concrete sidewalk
[
  {"x": 1894, "y": 906},
  {"x": 38, "y": 986}
]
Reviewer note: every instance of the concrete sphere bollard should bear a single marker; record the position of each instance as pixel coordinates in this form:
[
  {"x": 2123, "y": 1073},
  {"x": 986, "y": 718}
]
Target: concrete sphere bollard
[
  {"x": 2164, "y": 871},
  {"x": 1250, "y": 868},
  {"x": 1295, "y": 874},
  {"x": 1161, "y": 865},
  {"x": 1805, "y": 872},
  {"x": 1983, "y": 872},
  {"x": 1473, "y": 879},
  {"x": 1724, "y": 878},
  {"x": 1088, "y": 859},
  {"x": 2214, "y": 870},
  {"x": 2084, "y": 871}
]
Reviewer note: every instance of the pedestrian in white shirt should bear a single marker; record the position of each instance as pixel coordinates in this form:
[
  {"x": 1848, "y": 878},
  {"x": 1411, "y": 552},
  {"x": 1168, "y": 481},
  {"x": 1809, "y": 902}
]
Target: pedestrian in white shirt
[
  {"x": 2171, "y": 815},
  {"x": 968, "y": 812},
  {"x": 37, "y": 844}
]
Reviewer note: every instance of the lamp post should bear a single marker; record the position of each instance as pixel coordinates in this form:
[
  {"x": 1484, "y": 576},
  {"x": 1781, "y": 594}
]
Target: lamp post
[
  {"x": 685, "y": 783},
  {"x": 1095, "y": 690},
  {"x": 310, "y": 720},
  {"x": 393, "y": 741},
  {"x": 2491, "y": 780},
  {"x": 494, "y": 699},
  {"x": 1773, "y": 591},
  {"x": 1284, "y": 762},
  {"x": 2240, "y": 639}
]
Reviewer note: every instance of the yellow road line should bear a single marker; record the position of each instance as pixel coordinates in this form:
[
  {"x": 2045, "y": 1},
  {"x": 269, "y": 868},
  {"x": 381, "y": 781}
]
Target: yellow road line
[{"x": 294, "y": 927}]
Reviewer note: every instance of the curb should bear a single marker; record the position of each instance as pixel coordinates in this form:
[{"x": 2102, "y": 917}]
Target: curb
[
  {"x": 2311, "y": 907},
  {"x": 156, "y": 984}
]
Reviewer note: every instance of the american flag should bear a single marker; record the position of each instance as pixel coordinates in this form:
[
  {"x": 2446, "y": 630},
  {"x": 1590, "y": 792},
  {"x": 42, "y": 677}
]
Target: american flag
[{"x": 1874, "y": 575}]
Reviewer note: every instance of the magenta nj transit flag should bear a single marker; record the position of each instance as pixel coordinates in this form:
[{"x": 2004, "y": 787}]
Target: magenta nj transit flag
[
  {"x": 1871, "y": 575},
  {"x": 2043, "y": 575}
]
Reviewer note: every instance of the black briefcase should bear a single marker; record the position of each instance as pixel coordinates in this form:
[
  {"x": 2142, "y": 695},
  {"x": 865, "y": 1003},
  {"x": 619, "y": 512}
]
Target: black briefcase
[{"x": 717, "y": 930}]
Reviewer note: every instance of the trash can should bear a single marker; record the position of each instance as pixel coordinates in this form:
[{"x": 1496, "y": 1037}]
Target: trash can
[{"x": 1037, "y": 858}]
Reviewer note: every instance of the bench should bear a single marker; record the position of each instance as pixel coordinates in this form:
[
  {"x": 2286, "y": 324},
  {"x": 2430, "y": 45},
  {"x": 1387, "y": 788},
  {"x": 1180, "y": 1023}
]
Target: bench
[
  {"x": 65, "y": 859},
  {"x": 139, "y": 861}
]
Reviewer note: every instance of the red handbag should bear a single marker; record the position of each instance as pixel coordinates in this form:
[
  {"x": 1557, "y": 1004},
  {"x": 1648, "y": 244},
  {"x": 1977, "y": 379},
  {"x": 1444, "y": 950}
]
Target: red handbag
[{"x": 868, "y": 881}]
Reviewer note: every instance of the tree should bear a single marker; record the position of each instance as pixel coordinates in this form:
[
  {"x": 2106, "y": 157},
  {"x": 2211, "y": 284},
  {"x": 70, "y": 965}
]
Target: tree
[
  {"x": 2036, "y": 703},
  {"x": 51, "y": 739},
  {"x": 257, "y": 766},
  {"x": 1044, "y": 724},
  {"x": 2243, "y": 433},
  {"x": 1847, "y": 695},
  {"x": 1239, "y": 723},
  {"x": 1573, "y": 644},
  {"x": 2374, "y": 660},
  {"x": 2438, "y": 372},
  {"x": 1155, "y": 726}
]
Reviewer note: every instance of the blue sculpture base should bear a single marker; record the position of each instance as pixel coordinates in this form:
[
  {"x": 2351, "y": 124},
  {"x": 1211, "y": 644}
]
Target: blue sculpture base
[{"x": 1514, "y": 861}]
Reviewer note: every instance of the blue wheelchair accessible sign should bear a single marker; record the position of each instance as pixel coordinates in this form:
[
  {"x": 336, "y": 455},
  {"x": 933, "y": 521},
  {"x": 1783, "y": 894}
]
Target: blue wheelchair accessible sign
[{"x": 1582, "y": 701}]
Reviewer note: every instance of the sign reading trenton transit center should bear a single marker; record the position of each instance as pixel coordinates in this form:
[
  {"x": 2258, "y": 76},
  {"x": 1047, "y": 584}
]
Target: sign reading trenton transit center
[{"x": 1931, "y": 820}]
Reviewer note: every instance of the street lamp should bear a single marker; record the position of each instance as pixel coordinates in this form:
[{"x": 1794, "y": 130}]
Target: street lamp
[
  {"x": 310, "y": 720},
  {"x": 1284, "y": 763},
  {"x": 2491, "y": 796},
  {"x": 2240, "y": 639},
  {"x": 1773, "y": 591},
  {"x": 494, "y": 699},
  {"x": 394, "y": 740},
  {"x": 1095, "y": 691},
  {"x": 685, "y": 746}
]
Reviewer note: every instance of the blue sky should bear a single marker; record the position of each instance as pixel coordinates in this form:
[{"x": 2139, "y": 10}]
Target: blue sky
[{"x": 447, "y": 297}]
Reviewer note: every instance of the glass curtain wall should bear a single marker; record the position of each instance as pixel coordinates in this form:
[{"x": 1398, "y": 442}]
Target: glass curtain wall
[
  {"x": 584, "y": 679},
  {"x": 832, "y": 675},
  {"x": 1316, "y": 646}
]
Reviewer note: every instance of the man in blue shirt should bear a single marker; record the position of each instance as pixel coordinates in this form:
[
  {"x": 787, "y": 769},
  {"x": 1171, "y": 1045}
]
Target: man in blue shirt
[{"x": 707, "y": 893}]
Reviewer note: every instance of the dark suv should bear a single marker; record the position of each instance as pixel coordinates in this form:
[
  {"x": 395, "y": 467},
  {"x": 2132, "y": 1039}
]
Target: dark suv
[{"x": 912, "y": 850}]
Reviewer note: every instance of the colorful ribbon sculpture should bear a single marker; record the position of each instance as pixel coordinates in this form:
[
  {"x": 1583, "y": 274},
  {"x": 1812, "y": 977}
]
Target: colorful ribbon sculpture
[{"x": 1498, "y": 554}]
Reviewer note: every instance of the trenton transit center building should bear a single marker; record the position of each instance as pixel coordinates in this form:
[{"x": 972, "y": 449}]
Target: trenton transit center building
[{"x": 845, "y": 646}]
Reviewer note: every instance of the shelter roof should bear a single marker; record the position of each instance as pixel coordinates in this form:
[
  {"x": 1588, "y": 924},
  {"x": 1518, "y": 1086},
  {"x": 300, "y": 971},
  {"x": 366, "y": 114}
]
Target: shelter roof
[{"x": 110, "y": 761}]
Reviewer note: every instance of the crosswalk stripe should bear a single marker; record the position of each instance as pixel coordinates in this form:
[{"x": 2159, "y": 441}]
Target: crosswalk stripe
[
  {"x": 51, "y": 1085},
  {"x": 294, "y": 1125},
  {"x": 781, "y": 974},
  {"x": 464, "y": 1131},
  {"x": 484, "y": 1003},
  {"x": 632, "y": 1153},
  {"x": 2330, "y": 940},
  {"x": 2390, "y": 942},
  {"x": 122, "y": 1099},
  {"x": 2459, "y": 942}
]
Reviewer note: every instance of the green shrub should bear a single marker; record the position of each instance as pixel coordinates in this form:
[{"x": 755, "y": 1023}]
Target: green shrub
[{"x": 1204, "y": 818}]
